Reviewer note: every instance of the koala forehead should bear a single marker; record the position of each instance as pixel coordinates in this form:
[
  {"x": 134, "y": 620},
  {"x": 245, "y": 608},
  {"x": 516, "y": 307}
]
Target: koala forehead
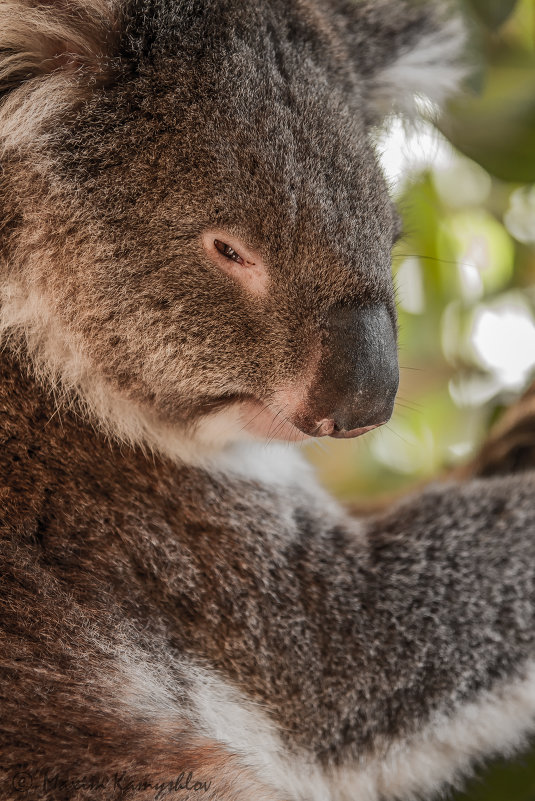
[{"x": 227, "y": 118}]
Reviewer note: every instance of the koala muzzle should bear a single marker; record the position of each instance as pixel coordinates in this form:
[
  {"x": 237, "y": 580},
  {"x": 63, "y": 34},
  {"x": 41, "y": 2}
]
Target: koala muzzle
[{"x": 358, "y": 376}]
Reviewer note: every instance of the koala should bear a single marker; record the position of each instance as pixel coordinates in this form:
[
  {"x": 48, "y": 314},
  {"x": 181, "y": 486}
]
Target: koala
[{"x": 195, "y": 248}]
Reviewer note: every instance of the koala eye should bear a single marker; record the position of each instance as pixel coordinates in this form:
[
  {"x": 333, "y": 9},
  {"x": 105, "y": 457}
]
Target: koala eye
[
  {"x": 238, "y": 260},
  {"x": 227, "y": 251}
]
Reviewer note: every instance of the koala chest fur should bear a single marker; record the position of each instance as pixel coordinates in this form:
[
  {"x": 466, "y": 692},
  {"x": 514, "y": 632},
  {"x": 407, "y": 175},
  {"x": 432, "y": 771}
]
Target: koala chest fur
[
  {"x": 173, "y": 607},
  {"x": 195, "y": 260}
]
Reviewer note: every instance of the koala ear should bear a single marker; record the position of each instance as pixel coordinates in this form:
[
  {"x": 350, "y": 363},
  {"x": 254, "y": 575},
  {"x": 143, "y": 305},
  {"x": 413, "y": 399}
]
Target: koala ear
[
  {"x": 52, "y": 52},
  {"x": 39, "y": 38},
  {"x": 419, "y": 53}
]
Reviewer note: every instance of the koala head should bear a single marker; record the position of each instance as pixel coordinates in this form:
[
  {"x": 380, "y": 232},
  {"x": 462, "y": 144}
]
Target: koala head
[{"x": 195, "y": 232}]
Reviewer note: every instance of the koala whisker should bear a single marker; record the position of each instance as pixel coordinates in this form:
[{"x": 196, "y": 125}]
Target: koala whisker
[
  {"x": 268, "y": 435},
  {"x": 424, "y": 257},
  {"x": 254, "y": 417},
  {"x": 397, "y": 434},
  {"x": 319, "y": 444},
  {"x": 278, "y": 426},
  {"x": 416, "y": 406},
  {"x": 407, "y": 407}
]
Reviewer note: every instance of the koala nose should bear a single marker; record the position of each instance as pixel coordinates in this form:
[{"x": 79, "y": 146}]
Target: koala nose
[{"x": 358, "y": 375}]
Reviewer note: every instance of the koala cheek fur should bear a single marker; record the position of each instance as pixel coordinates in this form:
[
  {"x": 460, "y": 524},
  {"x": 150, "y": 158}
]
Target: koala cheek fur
[{"x": 194, "y": 255}]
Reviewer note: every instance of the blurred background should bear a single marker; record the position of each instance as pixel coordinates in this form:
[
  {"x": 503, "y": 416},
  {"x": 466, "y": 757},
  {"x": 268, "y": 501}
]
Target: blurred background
[{"x": 465, "y": 274}]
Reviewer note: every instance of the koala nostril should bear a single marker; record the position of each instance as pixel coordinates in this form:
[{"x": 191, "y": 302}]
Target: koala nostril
[{"x": 325, "y": 428}]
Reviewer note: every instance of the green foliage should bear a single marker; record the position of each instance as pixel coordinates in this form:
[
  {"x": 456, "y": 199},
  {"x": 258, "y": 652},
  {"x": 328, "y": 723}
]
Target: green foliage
[
  {"x": 493, "y": 12},
  {"x": 504, "y": 781},
  {"x": 497, "y": 129}
]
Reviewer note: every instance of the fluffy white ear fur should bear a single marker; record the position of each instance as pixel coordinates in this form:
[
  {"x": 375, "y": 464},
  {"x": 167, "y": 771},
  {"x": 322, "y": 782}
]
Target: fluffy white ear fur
[
  {"x": 37, "y": 38},
  {"x": 49, "y": 51},
  {"x": 425, "y": 73}
]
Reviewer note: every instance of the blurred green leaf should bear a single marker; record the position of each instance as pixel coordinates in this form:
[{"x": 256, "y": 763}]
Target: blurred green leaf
[
  {"x": 493, "y": 12},
  {"x": 504, "y": 781},
  {"x": 482, "y": 249},
  {"x": 497, "y": 130}
]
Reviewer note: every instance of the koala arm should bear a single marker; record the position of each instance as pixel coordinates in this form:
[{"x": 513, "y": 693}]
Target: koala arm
[{"x": 421, "y": 636}]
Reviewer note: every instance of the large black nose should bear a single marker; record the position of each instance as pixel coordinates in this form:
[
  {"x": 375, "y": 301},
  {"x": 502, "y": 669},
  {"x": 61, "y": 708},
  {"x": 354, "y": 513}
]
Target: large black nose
[{"x": 358, "y": 374}]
